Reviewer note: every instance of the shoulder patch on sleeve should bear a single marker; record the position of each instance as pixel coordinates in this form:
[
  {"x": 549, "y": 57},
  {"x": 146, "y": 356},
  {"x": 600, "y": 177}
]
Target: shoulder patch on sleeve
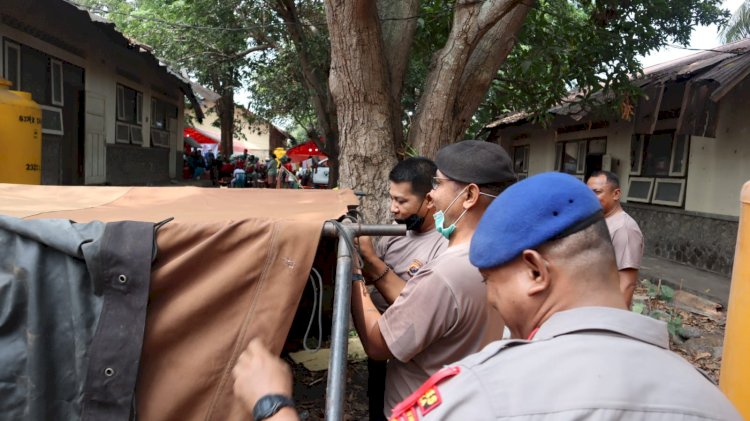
[{"x": 425, "y": 399}]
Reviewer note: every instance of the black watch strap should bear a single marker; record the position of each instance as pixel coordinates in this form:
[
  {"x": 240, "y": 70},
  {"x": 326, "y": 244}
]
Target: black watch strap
[{"x": 269, "y": 405}]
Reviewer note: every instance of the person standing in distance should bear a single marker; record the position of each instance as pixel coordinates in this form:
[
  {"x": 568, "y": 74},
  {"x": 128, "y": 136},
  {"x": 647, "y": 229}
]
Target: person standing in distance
[{"x": 624, "y": 231}]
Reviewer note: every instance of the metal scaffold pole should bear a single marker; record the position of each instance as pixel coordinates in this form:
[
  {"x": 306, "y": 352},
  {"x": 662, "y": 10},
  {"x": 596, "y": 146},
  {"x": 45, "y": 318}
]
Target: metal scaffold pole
[{"x": 346, "y": 232}]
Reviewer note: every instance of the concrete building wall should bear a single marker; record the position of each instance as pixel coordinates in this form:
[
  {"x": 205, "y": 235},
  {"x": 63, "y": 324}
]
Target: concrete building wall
[
  {"x": 699, "y": 240},
  {"x": 133, "y": 166},
  {"x": 542, "y": 145},
  {"x": 717, "y": 168}
]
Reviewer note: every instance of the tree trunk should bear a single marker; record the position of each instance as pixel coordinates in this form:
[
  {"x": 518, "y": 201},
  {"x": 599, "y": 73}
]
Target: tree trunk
[
  {"x": 482, "y": 35},
  {"x": 359, "y": 84},
  {"x": 317, "y": 87},
  {"x": 225, "y": 111},
  {"x": 398, "y": 26}
]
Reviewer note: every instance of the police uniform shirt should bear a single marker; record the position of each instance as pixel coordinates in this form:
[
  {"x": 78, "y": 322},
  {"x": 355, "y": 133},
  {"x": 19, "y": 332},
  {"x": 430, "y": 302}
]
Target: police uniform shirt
[
  {"x": 440, "y": 317},
  {"x": 627, "y": 240},
  {"x": 406, "y": 255},
  {"x": 587, "y": 363}
]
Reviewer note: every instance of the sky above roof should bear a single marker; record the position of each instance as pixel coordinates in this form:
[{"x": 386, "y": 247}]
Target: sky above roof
[{"x": 703, "y": 37}]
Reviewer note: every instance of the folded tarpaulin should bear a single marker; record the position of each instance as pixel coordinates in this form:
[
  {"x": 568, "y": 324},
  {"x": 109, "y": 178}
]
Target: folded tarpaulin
[
  {"x": 231, "y": 266},
  {"x": 65, "y": 289}
]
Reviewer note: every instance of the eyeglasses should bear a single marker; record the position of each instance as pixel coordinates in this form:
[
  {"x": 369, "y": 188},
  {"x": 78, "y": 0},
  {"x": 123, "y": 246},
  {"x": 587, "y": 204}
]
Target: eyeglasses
[{"x": 436, "y": 182}]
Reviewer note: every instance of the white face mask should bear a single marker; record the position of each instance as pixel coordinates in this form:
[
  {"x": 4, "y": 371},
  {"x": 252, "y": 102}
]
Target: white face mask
[{"x": 440, "y": 216}]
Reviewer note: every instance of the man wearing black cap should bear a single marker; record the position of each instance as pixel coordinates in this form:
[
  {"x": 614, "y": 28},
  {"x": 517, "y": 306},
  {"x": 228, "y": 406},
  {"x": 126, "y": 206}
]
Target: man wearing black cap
[
  {"x": 441, "y": 314},
  {"x": 544, "y": 250}
]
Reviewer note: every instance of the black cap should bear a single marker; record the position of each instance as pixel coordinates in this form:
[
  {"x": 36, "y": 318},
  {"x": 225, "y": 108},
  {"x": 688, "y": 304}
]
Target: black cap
[{"x": 475, "y": 161}]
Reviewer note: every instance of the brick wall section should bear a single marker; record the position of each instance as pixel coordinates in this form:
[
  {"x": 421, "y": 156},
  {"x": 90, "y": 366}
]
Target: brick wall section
[
  {"x": 51, "y": 174},
  {"x": 699, "y": 240},
  {"x": 129, "y": 165}
]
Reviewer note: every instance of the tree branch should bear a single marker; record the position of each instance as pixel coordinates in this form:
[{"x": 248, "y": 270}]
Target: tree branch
[{"x": 250, "y": 50}]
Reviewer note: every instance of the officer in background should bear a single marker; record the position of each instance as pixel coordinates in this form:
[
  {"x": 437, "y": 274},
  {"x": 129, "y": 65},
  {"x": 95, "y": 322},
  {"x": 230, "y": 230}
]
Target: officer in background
[
  {"x": 394, "y": 260},
  {"x": 624, "y": 231}
]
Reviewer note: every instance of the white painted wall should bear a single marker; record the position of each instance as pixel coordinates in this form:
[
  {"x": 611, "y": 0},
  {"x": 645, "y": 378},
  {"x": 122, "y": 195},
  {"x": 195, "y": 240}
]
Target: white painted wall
[
  {"x": 542, "y": 145},
  {"x": 717, "y": 168},
  {"x": 257, "y": 137}
]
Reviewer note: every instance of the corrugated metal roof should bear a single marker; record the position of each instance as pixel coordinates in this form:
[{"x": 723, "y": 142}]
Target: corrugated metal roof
[
  {"x": 727, "y": 65},
  {"x": 699, "y": 61}
]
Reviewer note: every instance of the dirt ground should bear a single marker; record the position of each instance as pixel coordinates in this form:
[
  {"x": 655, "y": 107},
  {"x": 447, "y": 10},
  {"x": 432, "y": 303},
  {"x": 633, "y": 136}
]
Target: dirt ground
[
  {"x": 310, "y": 392},
  {"x": 310, "y": 387}
]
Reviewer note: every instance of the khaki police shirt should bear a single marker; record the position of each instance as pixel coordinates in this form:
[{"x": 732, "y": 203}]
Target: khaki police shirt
[
  {"x": 586, "y": 363},
  {"x": 627, "y": 240},
  {"x": 440, "y": 317},
  {"x": 406, "y": 255}
]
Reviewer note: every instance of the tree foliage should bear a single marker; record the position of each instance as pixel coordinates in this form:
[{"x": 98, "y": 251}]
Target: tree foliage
[
  {"x": 564, "y": 46},
  {"x": 738, "y": 26},
  {"x": 590, "y": 48},
  {"x": 277, "y": 79}
]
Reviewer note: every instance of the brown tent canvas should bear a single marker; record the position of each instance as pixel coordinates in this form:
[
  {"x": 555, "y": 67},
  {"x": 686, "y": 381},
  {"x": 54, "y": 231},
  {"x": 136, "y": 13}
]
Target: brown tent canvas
[{"x": 229, "y": 267}]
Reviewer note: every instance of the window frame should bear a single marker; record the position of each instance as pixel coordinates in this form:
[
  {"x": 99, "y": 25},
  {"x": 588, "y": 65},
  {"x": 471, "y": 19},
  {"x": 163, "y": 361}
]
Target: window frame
[
  {"x": 155, "y": 132},
  {"x": 138, "y": 107},
  {"x": 61, "y": 131},
  {"x": 53, "y": 62},
  {"x": 650, "y": 189},
  {"x": 136, "y": 131},
  {"x": 581, "y": 157},
  {"x": 581, "y": 153},
  {"x": 17, "y": 47},
  {"x": 639, "y": 138},
  {"x": 119, "y": 139},
  {"x": 526, "y": 149},
  {"x": 120, "y": 105},
  {"x": 120, "y": 102},
  {"x": 683, "y": 170},
  {"x": 680, "y": 181},
  {"x": 559, "y": 147}
]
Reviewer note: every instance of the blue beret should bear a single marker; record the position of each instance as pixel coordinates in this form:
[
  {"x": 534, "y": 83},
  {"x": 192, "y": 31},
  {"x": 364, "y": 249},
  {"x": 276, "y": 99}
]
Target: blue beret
[
  {"x": 528, "y": 214},
  {"x": 475, "y": 161}
]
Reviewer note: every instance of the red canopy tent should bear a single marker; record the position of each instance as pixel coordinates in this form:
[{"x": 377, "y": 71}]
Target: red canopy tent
[
  {"x": 304, "y": 151},
  {"x": 206, "y": 141}
]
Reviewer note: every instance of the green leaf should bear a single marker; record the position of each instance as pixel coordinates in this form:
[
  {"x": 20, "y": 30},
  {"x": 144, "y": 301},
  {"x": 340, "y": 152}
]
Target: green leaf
[
  {"x": 666, "y": 293},
  {"x": 639, "y": 308},
  {"x": 660, "y": 315}
]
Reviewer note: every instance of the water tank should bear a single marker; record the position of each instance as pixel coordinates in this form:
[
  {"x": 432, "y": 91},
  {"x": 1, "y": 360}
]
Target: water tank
[{"x": 20, "y": 137}]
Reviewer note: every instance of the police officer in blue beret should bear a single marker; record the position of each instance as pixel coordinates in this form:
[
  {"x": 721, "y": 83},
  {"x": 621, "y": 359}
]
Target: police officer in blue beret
[{"x": 545, "y": 252}]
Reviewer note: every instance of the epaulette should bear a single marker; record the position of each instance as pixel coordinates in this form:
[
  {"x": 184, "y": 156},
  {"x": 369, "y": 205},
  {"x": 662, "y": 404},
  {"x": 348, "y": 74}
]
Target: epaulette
[
  {"x": 489, "y": 351},
  {"x": 424, "y": 399}
]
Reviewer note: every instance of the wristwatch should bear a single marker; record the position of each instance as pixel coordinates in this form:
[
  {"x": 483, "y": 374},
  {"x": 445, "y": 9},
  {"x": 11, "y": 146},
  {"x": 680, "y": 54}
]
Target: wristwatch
[
  {"x": 357, "y": 277},
  {"x": 269, "y": 405}
]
